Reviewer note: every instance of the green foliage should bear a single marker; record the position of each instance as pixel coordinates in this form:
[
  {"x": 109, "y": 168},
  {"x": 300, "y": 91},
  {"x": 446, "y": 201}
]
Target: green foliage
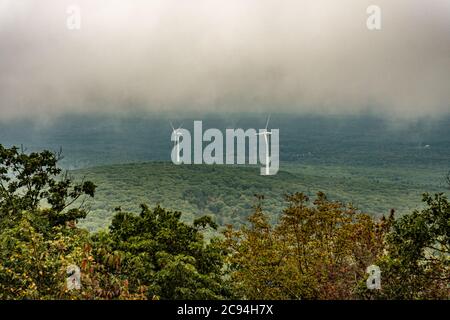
[
  {"x": 417, "y": 263},
  {"x": 29, "y": 180},
  {"x": 167, "y": 256},
  {"x": 226, "y": 192},
  {"x": 33, "y": 258},
  {"x": 38, "y": 236},
  {"x": 153, "y": 255},
  {"x": 315, "y": 252}
]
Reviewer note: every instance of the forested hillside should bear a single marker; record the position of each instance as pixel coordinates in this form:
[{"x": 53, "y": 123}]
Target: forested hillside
[
  {"x": 226, "y": 193},
  {"x": 318, "y": 249}
]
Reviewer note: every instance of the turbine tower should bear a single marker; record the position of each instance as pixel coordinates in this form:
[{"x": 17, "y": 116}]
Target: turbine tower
[
  {"x": 266, "y": 133},
  {"x": 177, "y": 134}
]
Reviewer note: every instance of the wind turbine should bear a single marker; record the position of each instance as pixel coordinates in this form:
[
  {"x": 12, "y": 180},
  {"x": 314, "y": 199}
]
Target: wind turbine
[
  {"x": 266, "y": 133},
  {"x": 177, "y": 134}
]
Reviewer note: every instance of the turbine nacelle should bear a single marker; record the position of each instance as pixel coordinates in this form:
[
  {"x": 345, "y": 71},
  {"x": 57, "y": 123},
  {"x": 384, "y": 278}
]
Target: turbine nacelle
[
  {"x": 264, "y": 132},
  {"x": 176, "y": 132}
]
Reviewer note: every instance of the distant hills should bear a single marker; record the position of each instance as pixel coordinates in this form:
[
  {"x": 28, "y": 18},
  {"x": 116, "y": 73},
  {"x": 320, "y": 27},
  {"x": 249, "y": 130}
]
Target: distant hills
[
  {"x": 347, "y": 140},
  {"x": 375, "y": 163},
  {"x": 227, "y": 192}
]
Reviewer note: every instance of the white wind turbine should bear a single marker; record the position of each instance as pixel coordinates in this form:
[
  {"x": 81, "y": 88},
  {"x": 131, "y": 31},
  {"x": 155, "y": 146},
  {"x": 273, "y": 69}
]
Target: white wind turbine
[
  {"x": 266, "y": 133},
  {"x": 177, "y": 133}
]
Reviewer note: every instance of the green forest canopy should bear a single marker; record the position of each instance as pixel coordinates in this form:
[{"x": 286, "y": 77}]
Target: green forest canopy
[{"x": 318, "y": 249}]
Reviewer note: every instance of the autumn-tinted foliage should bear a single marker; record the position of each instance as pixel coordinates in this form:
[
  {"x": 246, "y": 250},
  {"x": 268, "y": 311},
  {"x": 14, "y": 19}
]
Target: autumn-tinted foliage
[
  {"x": 38, "y": 237},
  {"x": 417, "y": 263},
  {"x": 151, "y": 255},
  {"x": 316, "y": 250}
]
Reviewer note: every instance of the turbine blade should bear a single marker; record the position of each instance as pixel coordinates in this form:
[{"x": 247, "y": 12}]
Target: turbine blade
[{"x": 267, "y": 123}]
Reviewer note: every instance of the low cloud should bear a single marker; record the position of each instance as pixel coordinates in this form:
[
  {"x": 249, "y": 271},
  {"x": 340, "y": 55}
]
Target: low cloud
[{"x": 311, "y": 56}]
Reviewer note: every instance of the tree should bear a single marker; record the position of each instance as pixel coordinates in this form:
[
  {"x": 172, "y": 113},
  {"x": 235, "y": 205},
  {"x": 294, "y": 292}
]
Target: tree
[
  {"x": 153, "y": 255},
  {"x": 317, "y": 250},
  {"x": 38, "y": 235},
  {"x": 29, "y": 180},
  {"x": 257, "y": 267},
  {"x": 314, "y": 252},
  {"x": 417, "y": 262},
  {"x": 167, "y": 256},
  {"x": 34, "y": 257}
]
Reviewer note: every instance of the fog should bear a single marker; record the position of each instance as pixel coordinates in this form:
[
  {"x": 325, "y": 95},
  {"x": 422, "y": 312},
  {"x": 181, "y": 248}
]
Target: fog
[{"x": 310, "y": 56}]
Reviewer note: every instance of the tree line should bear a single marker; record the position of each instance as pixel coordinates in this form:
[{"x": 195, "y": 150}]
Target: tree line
[{"x": 318, "y": 249}]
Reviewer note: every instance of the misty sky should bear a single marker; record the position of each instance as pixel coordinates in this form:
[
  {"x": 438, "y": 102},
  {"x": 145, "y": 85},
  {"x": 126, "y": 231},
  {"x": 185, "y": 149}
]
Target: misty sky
[{"x": 225, "y": 55}]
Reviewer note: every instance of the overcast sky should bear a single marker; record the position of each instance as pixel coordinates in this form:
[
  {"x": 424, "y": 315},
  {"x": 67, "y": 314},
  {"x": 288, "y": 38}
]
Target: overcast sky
[{"x": 225, "y": 55}]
